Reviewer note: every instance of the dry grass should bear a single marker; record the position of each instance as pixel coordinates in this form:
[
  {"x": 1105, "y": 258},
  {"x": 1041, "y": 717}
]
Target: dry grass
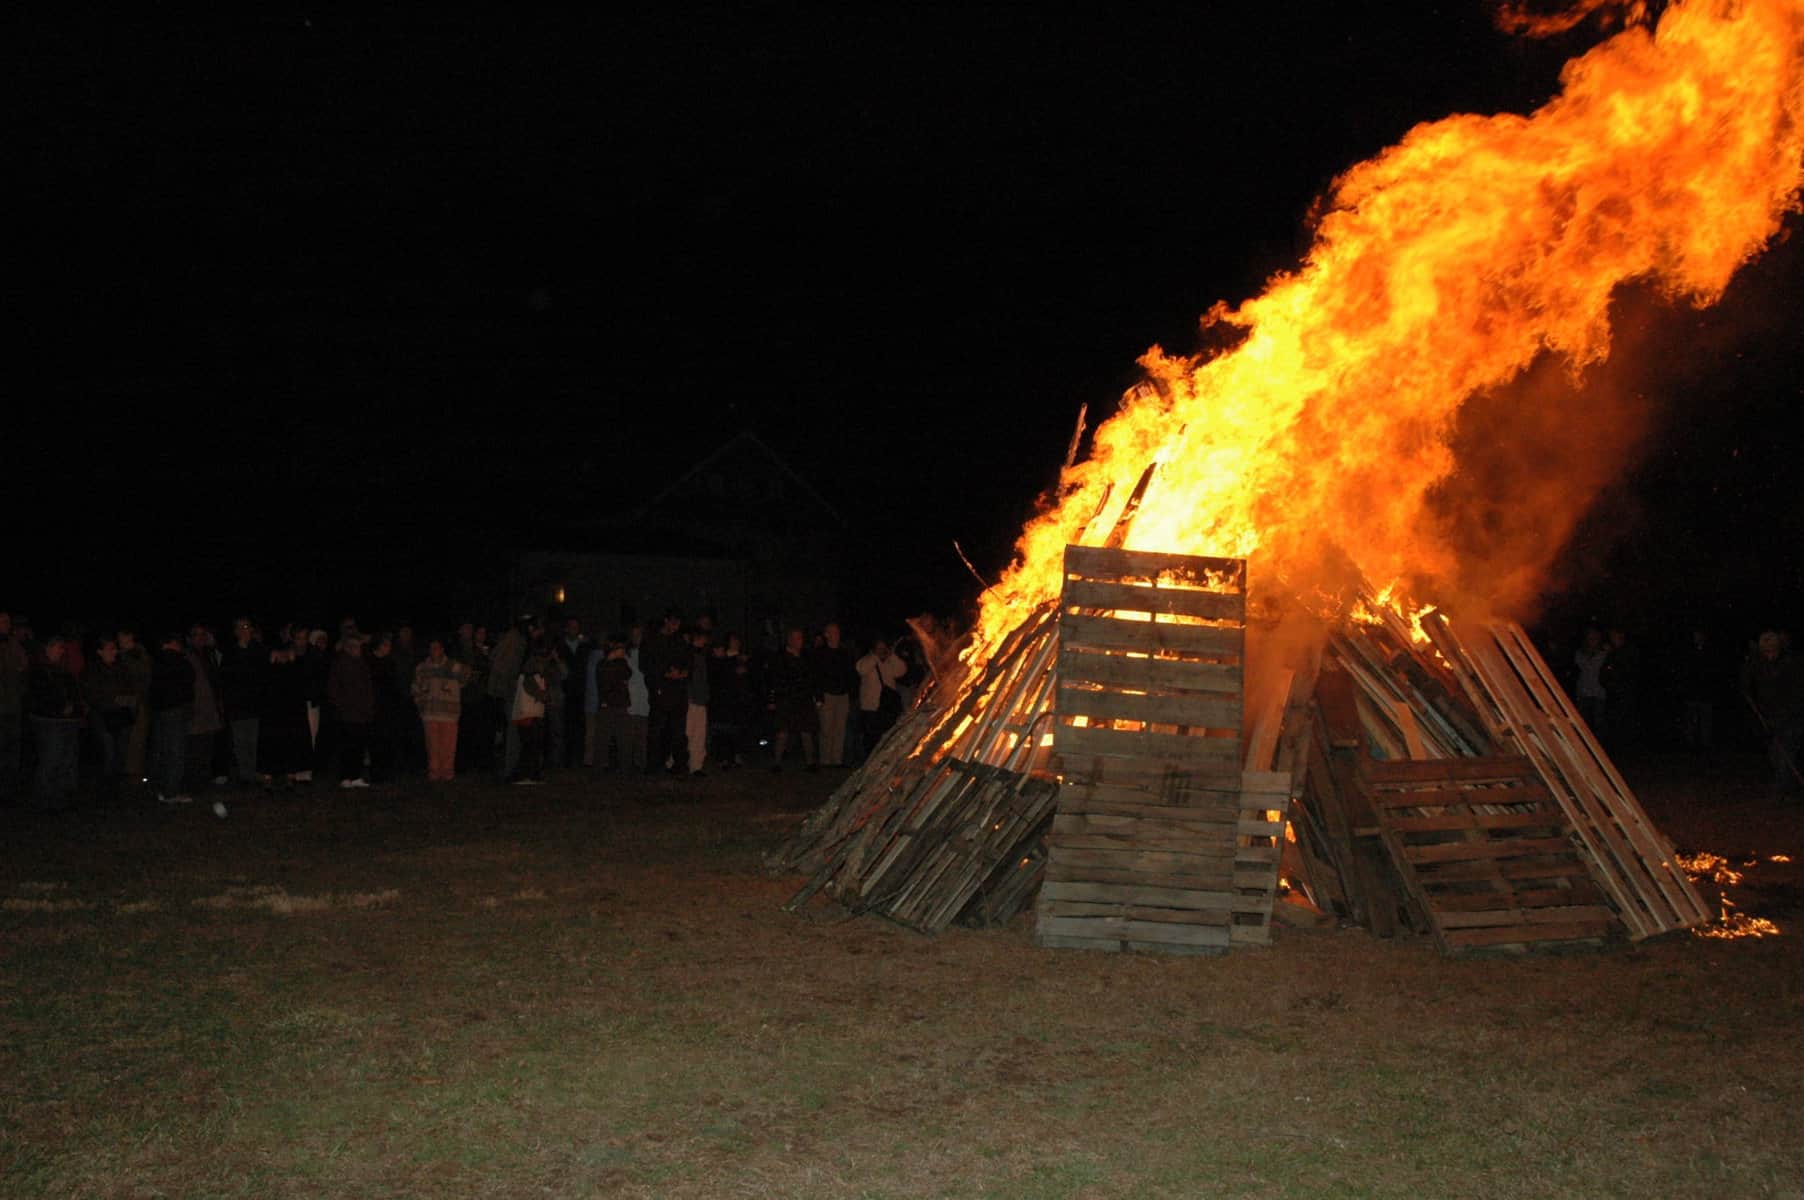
[{"x": 478, "y": 992}]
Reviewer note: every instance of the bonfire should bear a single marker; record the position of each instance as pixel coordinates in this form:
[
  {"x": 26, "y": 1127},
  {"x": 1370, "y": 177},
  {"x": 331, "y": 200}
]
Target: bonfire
[{"x": 1258, "y": 647}]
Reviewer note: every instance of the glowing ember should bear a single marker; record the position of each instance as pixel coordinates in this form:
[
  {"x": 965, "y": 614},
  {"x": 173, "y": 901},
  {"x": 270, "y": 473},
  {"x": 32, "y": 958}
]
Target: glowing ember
[
  {"x": 1731, "y": 922},
  {"x": 1441, "y": 270},
  {"x": 1714, "y": 867}
]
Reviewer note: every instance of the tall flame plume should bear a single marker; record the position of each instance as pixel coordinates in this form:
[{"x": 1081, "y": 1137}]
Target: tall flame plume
[{"x": 1441, "y": 269}]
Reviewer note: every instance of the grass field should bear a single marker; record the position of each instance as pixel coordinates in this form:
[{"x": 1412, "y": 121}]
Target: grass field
[{"x": 589, "y": 989}]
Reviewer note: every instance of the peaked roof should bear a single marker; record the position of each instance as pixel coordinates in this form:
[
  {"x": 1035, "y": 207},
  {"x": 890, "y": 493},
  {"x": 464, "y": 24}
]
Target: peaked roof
[{"x": 745, "y": 438}]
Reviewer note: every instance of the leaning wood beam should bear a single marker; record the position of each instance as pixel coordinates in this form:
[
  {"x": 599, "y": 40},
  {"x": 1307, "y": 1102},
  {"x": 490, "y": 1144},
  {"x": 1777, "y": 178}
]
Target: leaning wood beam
[{"x": 1509, "y": 683}]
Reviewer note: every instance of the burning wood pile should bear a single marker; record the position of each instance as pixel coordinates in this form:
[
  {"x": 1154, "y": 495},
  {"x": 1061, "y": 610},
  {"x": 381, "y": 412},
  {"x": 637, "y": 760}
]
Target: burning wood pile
[
  {"x": 1157, "y": 760},
  {"x": 1105, "y": 767}
]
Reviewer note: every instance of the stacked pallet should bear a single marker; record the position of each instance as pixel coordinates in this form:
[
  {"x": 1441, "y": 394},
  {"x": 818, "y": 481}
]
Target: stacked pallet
[
  {"x": 943, "y": 822},
  {"x": 1486, "y": 853},
  {"x": 1147, "y": 736},
  {"x": 1523, "y": 706}
]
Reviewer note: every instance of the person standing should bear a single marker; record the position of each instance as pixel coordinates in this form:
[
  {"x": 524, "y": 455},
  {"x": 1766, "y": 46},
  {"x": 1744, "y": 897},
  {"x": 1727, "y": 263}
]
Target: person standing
[
  {"x": 207, "y": 718},
  {"x": 666, "y": 659},
  {"x": 638, "y": 712},
  {"x": 243, "y": 666},
  {"x": 172, "y": 712},
  {"x": 1589, "y": 660},
  {"x": 527, "y": 716},
  {"x": 575, "y": 651},
  {"x": 285, "y": 742},
  {"x": 834, "y": 679},
  {"x": 56, "y": 712},
  {"x": 438, "y": 684},
  {"x": 879, "y": 695},
  {"x": 793, "y": 704},
  {"x": 137, "y": 663},
  {"x": 15, "y": 671},
  {"x": 475, "y": 730},
  {"x": 505, "y": 664},
  {"x": 352, "y": 694},
  {"x": 729, "y": 701},
  {"x": 112, "y": 703},
  {"x": 1773, "y": 682},
  {"x": 613, "y": 743},
  {"x": 695, "y": 721}
]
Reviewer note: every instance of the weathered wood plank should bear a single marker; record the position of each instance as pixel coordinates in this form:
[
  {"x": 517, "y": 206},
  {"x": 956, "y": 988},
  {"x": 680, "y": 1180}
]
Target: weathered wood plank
[
  {"x": 1243, "y": 878},
  {"x": 1108, "y": 945},
  {"x": 1164, "y": 781},
  {"x": 1485, "y": 919},
  {"x": 1582, "y": 892},
  {"x": 1098, "y": 562},
  {"x": 1211, "y": 899},
  {"x": 1507, "y": 934},
  {"x": 1208, "y": 869},
  {"x": 1220, "y": 642},
  {"x": 1174, "y": 791},
  {"x": 1470, "y": 851},
  {"x": 1166, "y": 601},
  {"x": 1154, "y": 932},
  {"x": 1142, "y": 912},
  {"x": 1212, "y": 711},
  {"x": 1558, "y": 867},
  {"x": 1078, "y": 665},
  {"x": 1197, "y": 752},
  {"x": 1501, "y": 769},
  {"x": 1539, "y": 819},
  {"x": 1119, "y": 825},
  {"x": 1450, "y": 797}
]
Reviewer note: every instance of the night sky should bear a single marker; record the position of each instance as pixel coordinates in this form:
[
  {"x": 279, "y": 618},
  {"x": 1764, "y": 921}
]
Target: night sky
[{"x": 324, "y": 311}]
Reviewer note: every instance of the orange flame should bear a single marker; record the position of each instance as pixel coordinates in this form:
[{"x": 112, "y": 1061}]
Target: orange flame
[{"x": 1441, "y": 270}]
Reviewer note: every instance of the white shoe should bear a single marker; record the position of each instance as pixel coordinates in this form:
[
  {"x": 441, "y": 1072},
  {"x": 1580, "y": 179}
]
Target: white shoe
[
  {"x": 220, "y": 780},
  {"x": 219, "y": 809},
  {"x": 360, "y": 783},
  {"x": 345, "y": 785},
  {"x": 303, "y": 776}
]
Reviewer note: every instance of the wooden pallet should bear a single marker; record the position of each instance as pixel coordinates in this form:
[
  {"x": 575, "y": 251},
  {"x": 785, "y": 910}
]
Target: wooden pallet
[
  {"x": 1487, "y": 853},
  {"x": 1526, "y": 709},
  {"x": 1146, "y": 850}
]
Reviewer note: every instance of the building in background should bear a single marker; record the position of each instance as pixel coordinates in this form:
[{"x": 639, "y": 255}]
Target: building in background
[{"x": 740, "y": 535}]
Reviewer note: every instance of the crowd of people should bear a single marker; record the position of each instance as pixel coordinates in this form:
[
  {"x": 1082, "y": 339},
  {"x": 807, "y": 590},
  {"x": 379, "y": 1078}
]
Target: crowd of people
[
  {"x": 1614, "y": 687},
  {"x": 195, "y": 711},
  {"x": 104, "y": 714}
]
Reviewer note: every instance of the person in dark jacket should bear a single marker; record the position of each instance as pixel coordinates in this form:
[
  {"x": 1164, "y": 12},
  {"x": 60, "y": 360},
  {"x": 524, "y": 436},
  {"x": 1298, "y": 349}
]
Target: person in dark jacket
[
  {"x": 284, "y": 743},
  {"x": 136, "y": 661},
  {"x": 394, "y": 711},
  {"x": 793, "y": 704},
  {"x": 15, "y": 671},
  {"x": 243, "y": 666},
  {"x": 834, "y": 681},
  {"x": 54, "y": 701},
  {"x": 729, "y": 708},
  {"x": 207, "y": 717},
  {"x": 614, "y": 740},
  {"x": 171, "y": 710},
  {"x": 1772, "y": 680},
  {"x": 665, "y": 659},
  {"x": 110, "y": 693},
  {"x": 352, "y": 694}
]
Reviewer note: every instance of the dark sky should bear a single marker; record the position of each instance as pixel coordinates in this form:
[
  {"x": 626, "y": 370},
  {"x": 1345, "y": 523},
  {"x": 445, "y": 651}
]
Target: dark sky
[{"x": 323, "y": 310}]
